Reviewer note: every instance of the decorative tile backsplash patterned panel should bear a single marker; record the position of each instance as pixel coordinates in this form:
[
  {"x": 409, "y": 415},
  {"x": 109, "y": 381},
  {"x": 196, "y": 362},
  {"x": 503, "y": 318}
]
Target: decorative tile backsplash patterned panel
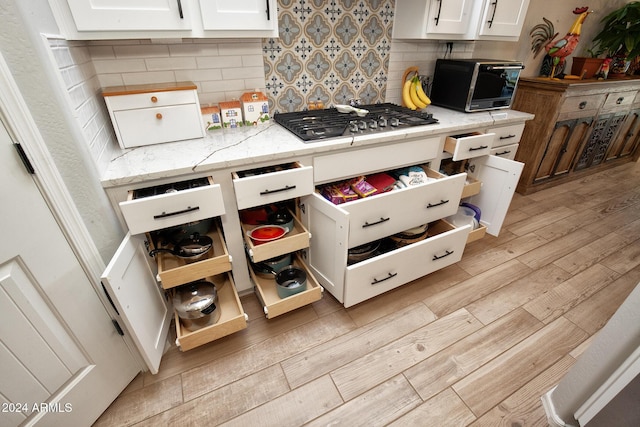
[{"x": 328, "y": 52}]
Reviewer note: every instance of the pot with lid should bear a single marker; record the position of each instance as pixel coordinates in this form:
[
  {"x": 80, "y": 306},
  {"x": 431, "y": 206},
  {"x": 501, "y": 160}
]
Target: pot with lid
[{"x": 197, "y": 304}]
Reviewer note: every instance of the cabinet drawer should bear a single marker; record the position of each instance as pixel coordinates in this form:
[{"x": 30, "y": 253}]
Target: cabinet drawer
[
  {"x": 582, "y": 103},
  {"x": 174, "y": 208},
  {"x": 333, "y": 167},
  {"x": 506, "y": 135},
  {"x": 385, "y": 214},
  {"x": 506, "y": 151},
  {"x": 274, "y": 305},
  {"x": 620, "y": 99},
  {"x": 174, "y": 271},
  {"x": 156, "y": 125},
  {"x": 232, "y": 317},
  {"x": 151, "y": 99},
  {"x": 296, "y": 239},
  {"x": 469, "y": 145},
  {"x": 257, "y": 187},
  {"x": 380, "y": 274}
]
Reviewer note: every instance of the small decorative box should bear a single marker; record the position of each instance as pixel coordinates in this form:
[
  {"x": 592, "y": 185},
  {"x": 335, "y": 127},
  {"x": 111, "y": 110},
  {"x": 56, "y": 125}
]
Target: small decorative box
[
  {"x": 255, "y": 107},
  {"x": 212, "y": 117},
  {"x": 231, "y": 113}
]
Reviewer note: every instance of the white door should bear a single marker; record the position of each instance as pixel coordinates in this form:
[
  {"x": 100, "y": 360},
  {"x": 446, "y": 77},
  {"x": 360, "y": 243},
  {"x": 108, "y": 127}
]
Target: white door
[
  {"x": 503, "y": 18},
  {"x": 449, "y": 16},
  {"x": 499, "y": 178},
  {"x": 239, "y": 15},
  {"x": 62, "y": 362},
  {"x": 129, "y": 15}
]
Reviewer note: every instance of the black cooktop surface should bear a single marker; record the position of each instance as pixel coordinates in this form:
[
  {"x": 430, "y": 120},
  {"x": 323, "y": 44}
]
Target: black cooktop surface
[{"x": 314, "y": 125}]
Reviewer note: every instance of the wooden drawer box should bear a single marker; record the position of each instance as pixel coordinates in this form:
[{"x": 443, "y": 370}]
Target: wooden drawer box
[
  {"x": 273, "y": 304},
  {"x": 466, "y": 146},
  {"x": 262, "y": 186},
  {"x": 377, "y": 275},
  {"x": 506, "y": 135},
  {"x": 333, "y": 167},
  {"x": 232, "y": 317},
  {"x": 174, "y": 271},
  {"x": 619, "y": 100},
  {"x": 582, "y": 103},
  {"x": 506, "y": 151},
  {"x": 296, "y": 239},
  {"x": 172, "y": 208},
  {"x": 152, "y": 114}
]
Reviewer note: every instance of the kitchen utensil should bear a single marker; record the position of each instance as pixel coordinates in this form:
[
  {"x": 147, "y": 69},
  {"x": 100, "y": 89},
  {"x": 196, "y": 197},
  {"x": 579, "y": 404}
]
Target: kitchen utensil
[
  {"x": 266, "y": 233},
  {"x": 197, "y": 304},
  {"x": 190, "y": 248},
  {"x": 290, "y": 281},
  {"x": 265, "y": 269},
  {"x": 475, "y": 209},
  {"x": 281, "y": 217},
  {"x": 179, "y": 232}
]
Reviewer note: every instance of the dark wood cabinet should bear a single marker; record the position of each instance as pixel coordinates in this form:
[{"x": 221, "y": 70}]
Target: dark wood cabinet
[{"x": 580, "y": 128}]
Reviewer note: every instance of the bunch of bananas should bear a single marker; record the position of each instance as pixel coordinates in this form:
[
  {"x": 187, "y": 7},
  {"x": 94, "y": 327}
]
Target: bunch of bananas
[{"x": 413, "y": 95}]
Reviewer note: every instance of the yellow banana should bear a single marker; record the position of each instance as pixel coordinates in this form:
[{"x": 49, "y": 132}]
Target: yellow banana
[
  {"x": 413, "y": 93},
  {"x": 423, "y": 96},
  {"x": 406, "y": 95}
]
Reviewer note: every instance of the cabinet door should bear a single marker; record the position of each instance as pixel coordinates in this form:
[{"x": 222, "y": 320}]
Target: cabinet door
[
  {"x": 624, "y": 143},
  {"x": 449, "y": 16},
  {"x": 239, "y": 15},
  {"x": 596, "y": 147},
  {"x": 562, "y": 147},
  {"x": 131, "y": 285},
  {"x": 503, "y": 18},
  {"x": 327, "y": 255},
  {"x": 499, "y": 178},
  {"x": 129, "y": 15}
]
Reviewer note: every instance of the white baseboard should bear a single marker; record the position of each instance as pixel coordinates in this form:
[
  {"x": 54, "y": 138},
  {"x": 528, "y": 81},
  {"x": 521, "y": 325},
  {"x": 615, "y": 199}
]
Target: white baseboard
[{"x": 553, "y": 418}]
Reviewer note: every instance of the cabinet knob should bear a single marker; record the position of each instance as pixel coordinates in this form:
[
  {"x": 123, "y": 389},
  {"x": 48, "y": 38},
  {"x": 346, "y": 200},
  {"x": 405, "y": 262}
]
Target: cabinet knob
[
  {"x": 583, "y": 105},
  {"x": 619, "y": 100},
  {"x": 154, "y": 99},
  {"x": 159, "y": 116}
]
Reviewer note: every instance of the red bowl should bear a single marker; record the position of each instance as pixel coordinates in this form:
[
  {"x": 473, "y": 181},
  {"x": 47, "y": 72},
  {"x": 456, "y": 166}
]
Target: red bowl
[{"x": 266, "y": 233}]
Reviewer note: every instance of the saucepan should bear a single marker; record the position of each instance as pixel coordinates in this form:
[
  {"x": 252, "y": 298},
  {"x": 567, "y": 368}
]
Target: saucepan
[
  {"x": 190, "y": 248},
  {"x": 290, "y": 280}
]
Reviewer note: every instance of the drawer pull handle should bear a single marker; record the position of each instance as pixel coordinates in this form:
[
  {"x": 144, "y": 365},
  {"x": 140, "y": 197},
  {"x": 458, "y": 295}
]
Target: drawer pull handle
[
  {"x": 437, "y": 18},
  {"x": 367, "y": 224},
  {"x": 507, "y": 137},
  {"x": 154, "y": 99},
  {"x": 277, "y": 190},
  {"x": 447, "y": 253},
  {"x": 442, "y": 202},
  {"x": 165, "y": 214},
  {"x": 390, "y": 276},
  {"x": 482, "y": 147},
  {"x": 582, "y": 105},
  {"x": 180, "y": 9},
  {"x": 159, "y": 116},
  {"x": 502, "y": 153},
  {"x": 619, "y": 100},
  {"x": 495, "y": 7},
  {"x": 268, "y": 11}
]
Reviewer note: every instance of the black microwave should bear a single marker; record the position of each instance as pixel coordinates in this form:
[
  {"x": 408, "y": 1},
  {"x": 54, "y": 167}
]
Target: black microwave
[{"x": 475, "y": 84}]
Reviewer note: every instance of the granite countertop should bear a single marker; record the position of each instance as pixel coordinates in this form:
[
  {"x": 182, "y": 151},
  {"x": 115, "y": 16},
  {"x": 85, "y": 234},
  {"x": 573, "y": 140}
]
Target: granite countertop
[{"x": 229, "y": 148}]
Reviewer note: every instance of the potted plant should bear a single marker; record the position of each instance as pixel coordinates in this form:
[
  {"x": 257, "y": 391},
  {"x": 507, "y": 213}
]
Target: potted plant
[
  {"x": 620, "y": 36},
  {"x": 588, "y": 64}
]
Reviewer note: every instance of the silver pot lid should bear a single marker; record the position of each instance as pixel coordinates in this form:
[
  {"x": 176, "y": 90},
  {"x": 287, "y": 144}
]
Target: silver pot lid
[{"x": 194, "y": 300}]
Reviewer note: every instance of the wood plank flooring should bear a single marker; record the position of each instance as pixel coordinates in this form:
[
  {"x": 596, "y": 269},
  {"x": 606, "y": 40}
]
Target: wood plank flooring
[{"x": 476, "y": 343}]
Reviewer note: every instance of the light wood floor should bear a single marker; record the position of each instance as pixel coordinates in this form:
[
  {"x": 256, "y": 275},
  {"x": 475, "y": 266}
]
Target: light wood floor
[{"x": 475, "y": 344}]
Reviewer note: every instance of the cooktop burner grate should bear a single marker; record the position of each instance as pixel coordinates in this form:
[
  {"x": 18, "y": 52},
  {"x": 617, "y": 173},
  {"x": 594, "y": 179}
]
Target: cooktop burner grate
[{"x": 316, "y": 125}]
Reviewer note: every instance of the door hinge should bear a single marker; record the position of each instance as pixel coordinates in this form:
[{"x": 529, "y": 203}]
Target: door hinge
[
  {"x": 118, "y": 328},
  {"x": 24, "y": 158}
]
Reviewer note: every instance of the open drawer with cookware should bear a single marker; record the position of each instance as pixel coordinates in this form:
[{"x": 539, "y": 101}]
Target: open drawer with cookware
[
  {"x": 202, "y": 317},
  {"x": 271, "y": 184},
  {"x": 397, "y": 262},
  {"x": 284, "y": 284},
  {"x": 174, "y": 204},
  {"x": 191, "y": 258}
]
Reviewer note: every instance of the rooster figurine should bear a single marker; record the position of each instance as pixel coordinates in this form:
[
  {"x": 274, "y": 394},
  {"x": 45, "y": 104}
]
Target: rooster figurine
[{"x": 557, "y": 50}]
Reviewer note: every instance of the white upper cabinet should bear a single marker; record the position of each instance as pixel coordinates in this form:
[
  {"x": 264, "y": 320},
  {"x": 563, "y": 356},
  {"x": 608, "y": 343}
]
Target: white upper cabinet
[
  {"x": 502, "y": 19},
  {"x": 459, "y": 19},
  {"x": 126, "y": 19},
  {"x": 239, "y": 15}
]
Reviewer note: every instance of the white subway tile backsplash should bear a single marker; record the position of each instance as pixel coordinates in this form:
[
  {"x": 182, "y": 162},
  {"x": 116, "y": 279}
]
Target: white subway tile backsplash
[
  {"x": 219, "y": 61},
  {"x": 119, "y": 66},
  {"x": 177, "y": 63},
  {"x": 242, "y": 73},
  {"x": 101, "y": 52},
  {"x": 199, "y": 75},
  {"x": 194, "y": 49},
  {"x": 148, "y": 77},
  {"x": 141, "y": 51}
]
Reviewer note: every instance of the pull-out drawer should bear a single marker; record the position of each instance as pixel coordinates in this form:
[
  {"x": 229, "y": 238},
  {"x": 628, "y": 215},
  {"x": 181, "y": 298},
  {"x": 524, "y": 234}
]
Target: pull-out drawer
[
  {"x": 333, "y": 167},
  {"x": 174, "y": 271},
  {"x": 156, "y": 125},
  {"x": 294, "y": 240},
  {"x": 262, "y": 186},
  {"x": 388, "y": 213},
  {"x": 506, "y": 135},
  {"x": 582, "y": 103},
  {"x": 506, "y": 151},
  {"x": 466, "y": 146},
  {"x": 151, "y": 99},
  {"x": 174, "y": 207},
  {"x": 380, "y": 274},
  {"x": 274, "y": 305},
  {"x": 232, "y": 317},
  {"x": 619, "y": 100}
]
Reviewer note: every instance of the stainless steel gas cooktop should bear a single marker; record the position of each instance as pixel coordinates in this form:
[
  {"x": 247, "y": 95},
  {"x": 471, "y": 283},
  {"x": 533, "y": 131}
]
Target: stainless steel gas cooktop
[{"x": 314, "y": 125}]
